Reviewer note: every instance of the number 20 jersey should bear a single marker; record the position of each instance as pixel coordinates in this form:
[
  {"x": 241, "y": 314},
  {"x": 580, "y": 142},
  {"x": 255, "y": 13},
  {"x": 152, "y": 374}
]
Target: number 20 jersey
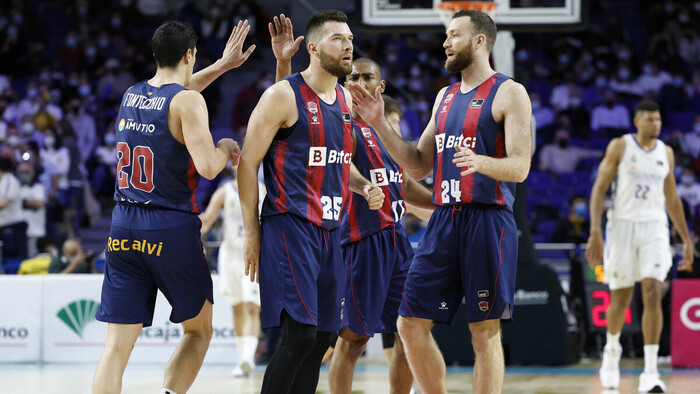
[
  {"x": 638, "y": 187},
  {"x": 153, "y": 169},
  {"x": 307, "y": 166}
]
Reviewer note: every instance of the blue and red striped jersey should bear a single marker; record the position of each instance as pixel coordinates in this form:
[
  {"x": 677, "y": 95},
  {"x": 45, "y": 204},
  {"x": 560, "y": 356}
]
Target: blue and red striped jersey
[
  {"x": 154, "y": 169},
  {"x": 465, "y": 119},
  {"x": 374, "y": 163},
  {"x": 307, "y": 168}
]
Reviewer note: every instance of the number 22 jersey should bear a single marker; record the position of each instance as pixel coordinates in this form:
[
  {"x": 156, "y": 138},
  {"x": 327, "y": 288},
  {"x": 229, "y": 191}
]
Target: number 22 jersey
[
  {"x": 638, "y": 187},
  {"x": 154, "y": 169}
]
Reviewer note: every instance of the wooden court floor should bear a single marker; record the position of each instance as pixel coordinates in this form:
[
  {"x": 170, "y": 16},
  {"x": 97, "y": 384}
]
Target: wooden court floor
[{"x": 371, "y": 376}]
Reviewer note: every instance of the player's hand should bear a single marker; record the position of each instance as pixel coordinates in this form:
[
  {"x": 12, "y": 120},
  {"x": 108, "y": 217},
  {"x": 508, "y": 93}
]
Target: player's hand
[
  {"x": 594, "y": 248},
  {"x": 284, "y": 46},
  {"x": 227, "y": 144},
  {"x": 374, "y": 196},
  {"x": 370, "y": 108},
  {"x": 235, "y": 154},
  {"x": 688, "y": 255},
  {"x": 465, "y": 157},
  {"x": 251, "y": 256},
  {"x": 233, "y": 55}
]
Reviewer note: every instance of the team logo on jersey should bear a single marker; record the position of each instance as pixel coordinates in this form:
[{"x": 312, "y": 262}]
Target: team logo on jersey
[
  {"x": 378, "y": 177},
  {"x": 483, "y": 293},
  {"x": 347, "y": 118},
  {"x": 447, "y": 100},
  {"x": 476, "y": 103},
  {"x": 443, "y": 305},
  {"x": 319, "y": 156},
  {"x": 483, "y": 306},
  {"x": 659, "y": 163},
  {"x": 367, "y": 133},
  {"x": 149, "y": 93},
  {"x": 465, "y": 142},
  {"x": 313, "y": 112},
  {"x": 122, "y": 124}
]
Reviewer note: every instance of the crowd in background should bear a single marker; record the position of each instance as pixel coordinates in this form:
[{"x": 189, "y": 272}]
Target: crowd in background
[{"x": 67, "y": 64}]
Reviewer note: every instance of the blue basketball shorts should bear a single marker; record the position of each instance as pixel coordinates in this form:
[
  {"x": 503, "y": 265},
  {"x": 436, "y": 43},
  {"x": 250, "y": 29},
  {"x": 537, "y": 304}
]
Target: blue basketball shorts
[
  {"x": 376, "y": 272},
  {"x": 467, "y": 252},
  {"x": 301, "y": 272},
  {"x": 149, "y": 250}
]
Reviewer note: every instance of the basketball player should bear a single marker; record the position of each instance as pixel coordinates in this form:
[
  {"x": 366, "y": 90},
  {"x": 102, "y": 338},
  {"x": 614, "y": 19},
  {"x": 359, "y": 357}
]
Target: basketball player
[
  {"x": 302, "y": 127},
  {"x": 163, "y": 145},
  {"x": 637, "y": 237},
  {"x": 242, "y": 294},
  {"x": 481, "y": 127}
]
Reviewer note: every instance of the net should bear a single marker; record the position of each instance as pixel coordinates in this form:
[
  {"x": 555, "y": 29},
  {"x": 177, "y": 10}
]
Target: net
[{"x": 447, "y": 8}]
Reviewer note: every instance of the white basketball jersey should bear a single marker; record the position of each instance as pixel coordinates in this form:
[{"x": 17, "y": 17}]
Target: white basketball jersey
[
  {"x": 232, "y": 217},
  {"x": 638, "y": 188}
]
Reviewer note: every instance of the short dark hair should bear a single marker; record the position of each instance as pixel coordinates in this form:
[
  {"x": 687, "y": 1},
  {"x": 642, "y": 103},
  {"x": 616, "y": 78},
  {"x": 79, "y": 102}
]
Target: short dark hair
[
  {"x": 483, "y": 24},
  {"x": 6, "y": 164},
  {"x": 318, "y": 19},
  {"x": 391, "y": 106},
  {"x": 646, "y": 106},
  {"x": 44, "y": 242},
  {"x": 366, "y": 60},
  {"x": 170, "y": 42}
]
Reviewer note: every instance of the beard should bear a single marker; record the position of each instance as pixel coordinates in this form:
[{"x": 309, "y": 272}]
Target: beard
[
  {"x": 461, "y": 60},
  {"x": 334, "y": 66}
]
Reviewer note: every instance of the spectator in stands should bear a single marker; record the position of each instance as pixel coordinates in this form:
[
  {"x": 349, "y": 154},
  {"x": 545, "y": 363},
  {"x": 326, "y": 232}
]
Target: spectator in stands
[
  {"x": 73, "y": 260},
  {"x": 672, "y": 96},
  {"x": 543, "y": 114},
  {"x": 610, "y": 119},
  {"x": 33, "y": 197},
  {"x": 561, "y": 94},
  {"x": 579, "y": 116},
  {"x": 13, "y": 228},
  {"x": 593, "y": 93},
  {"x": 652, "y": 78},
  {"x": 689, "y": 190},
  {"x": 56, "y": 163},
  {"x": 560, "y": 157},
  {"x": 39, "y": 264},
  {"x": 575, "y": 227},
  {"x": 622, "y": 83},
  {"x": 692, "y": 139},
  {"x": 245, "y": 102},
  {"x": 105, "y": 168},
  {"x": 84, "y": 126}
]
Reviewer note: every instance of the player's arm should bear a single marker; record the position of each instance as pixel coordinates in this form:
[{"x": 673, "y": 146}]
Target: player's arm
[
  {"x": 232, "y": 57},
  {"x": 417, "y": 161},
  {"x": 189, "y": 110},
  {"x": 216, "y": 203},
  {"x": 674, "y": 207},
  {"x": 284, "y": 46},
  {"x": 606, "y": 173},
  {"x": 513, "y": 103},
  {"x": 417, "y": 194},
  {"x": 275, "y": 109}
]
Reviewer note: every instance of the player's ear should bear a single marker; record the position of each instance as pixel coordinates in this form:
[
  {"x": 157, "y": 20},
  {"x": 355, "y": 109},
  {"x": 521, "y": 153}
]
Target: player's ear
[
  {"x": 312, "y": 48},
  {"x": 382, "y": 86},
  {"x": 187, "y": 57}
]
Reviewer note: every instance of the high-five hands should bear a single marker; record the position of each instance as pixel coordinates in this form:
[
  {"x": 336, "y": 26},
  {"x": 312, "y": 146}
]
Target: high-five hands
[
  {"x": 233, "y": 55},
  {"x": 284, "y": 46}
]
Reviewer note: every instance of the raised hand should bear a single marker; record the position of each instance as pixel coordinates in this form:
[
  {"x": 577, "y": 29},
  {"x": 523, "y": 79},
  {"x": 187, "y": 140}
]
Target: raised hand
[
  {"x": 233, "y": 55},
  {"x": 370, "y": 108},
  {"x": 284, "y": 46}
]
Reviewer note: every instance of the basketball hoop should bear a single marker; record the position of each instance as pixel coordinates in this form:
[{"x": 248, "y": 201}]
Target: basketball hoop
[{"x": 448, "y": 8}]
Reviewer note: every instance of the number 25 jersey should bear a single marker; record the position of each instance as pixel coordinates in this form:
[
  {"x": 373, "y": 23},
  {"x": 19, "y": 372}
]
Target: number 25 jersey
[
  {"x": 638, "y": 187},
  {"x": 153, "y": 168}
]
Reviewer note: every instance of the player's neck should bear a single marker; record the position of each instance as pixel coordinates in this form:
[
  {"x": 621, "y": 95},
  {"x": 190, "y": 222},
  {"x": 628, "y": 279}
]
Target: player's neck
[
  {"x": 646, "y": 142},
  {"x": 357, "y": 117},
  {"x": 320, "y": 81},
  {"x": 474, "y": 75},
  {"x": 168, "y": 75}
]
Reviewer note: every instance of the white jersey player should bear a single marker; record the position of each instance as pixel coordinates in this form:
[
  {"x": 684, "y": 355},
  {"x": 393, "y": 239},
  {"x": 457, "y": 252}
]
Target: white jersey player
[
  {"x": 240, "y": 292},
  {"x": 640, "y": 168}
]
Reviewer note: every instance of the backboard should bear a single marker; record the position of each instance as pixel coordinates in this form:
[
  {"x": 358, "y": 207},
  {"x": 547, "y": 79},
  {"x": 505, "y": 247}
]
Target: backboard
[{"x": 511, "y": 14}]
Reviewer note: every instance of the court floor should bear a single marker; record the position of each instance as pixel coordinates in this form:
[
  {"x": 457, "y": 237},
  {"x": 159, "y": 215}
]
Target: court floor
[{"x": 371, "y": 376}]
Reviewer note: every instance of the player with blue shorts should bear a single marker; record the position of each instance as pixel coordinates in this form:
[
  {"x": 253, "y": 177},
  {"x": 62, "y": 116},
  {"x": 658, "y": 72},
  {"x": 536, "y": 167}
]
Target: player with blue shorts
[
  {"x": 163, "y": 146},
  {"x": 477, "y": 144},
  {"x": 302, "y": 132}
]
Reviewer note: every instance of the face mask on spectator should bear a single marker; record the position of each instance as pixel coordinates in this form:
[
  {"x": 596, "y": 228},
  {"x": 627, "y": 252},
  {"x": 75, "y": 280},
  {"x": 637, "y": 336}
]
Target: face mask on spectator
[
  {"x": 696, "y": 128},
  {"x": 536, "y": 104},
  {"x": 103, "y": 42},
  {"x": 576, "y": 101},
  {"x": 647, "y": 69},
  {"x": 73, "y": 82},
  {"x": 90, "y": 52},
  {"x": 13, "y": 141},
  {"x": 82, "y": 10},
  {"x": 624, "y": 54},
  {"x": 17, "y": 19},
  {"x": 27, "y": 128},
  {"x": 601, "y": 82},
  {"x": 12, "y": 31},
  {"x": 624, "y": 74},
  {"x": 71, "y": 42},
  {"x": 678, "y": 81},
  {"x": 49, "y": 141},
  {"x": 84, "y": 90},
  {"x": 116, "y": 21},
  {"x": 110, "y": 139},
  {"x": 523, "y": 55},
  {"x": 564, "y": 59},
  {"x": 581, "y": 209},
  {"x": 24, "y": 178},
  {"x": 687, "y": 180},
  {"x": 423, "y": 58},
  {"x": 392, "y": 57},
  {"x": 31, "y": 93}
]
